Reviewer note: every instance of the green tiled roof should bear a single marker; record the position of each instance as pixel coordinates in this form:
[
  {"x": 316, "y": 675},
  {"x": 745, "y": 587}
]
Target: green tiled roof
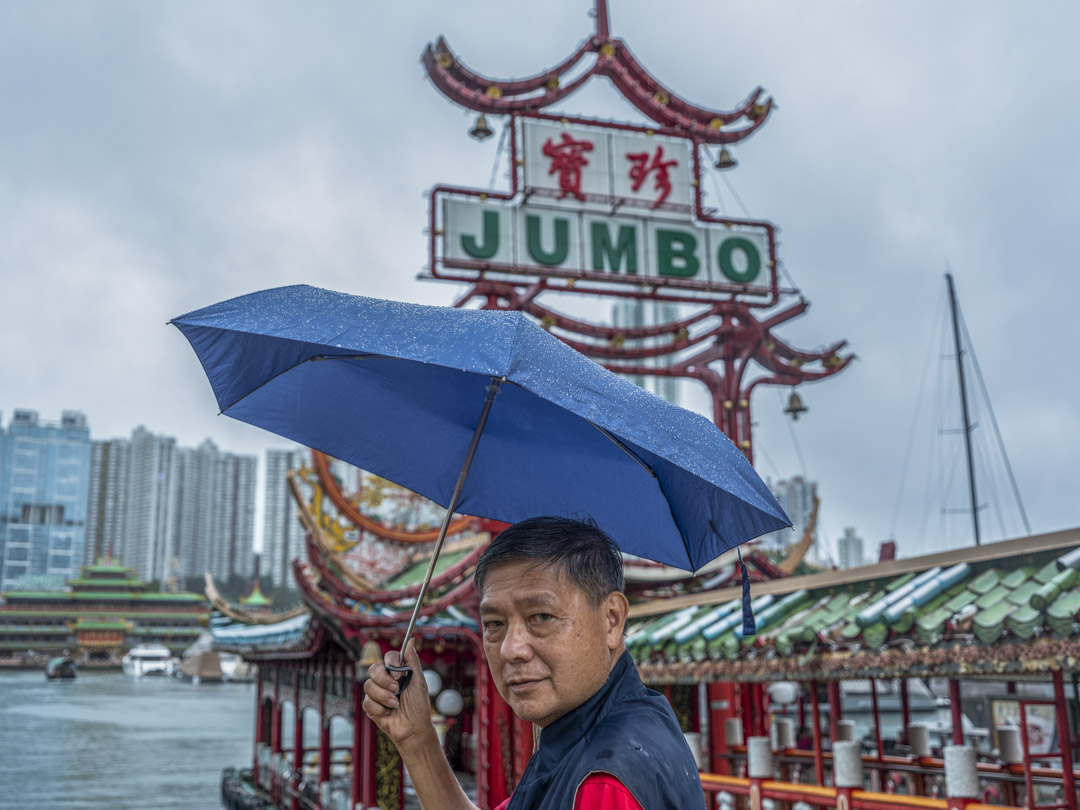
[
  {"x": 75, "y": 611},
  {"x": 106, "y": 596},
  {"x": 414, "y": 575},
  {"x": 1014, "y": 600},
  {"x": 90, "y": 624},
  {"x": 107, "y": 582}
]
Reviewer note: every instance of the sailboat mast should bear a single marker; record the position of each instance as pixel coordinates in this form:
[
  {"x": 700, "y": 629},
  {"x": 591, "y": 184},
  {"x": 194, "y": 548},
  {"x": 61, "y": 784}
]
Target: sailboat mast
[{"x": 964, "y": 406}]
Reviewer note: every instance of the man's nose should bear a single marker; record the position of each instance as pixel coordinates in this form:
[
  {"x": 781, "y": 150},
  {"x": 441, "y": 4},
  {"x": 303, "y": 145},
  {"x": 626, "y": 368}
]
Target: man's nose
[{"x": 515, "y": 644}]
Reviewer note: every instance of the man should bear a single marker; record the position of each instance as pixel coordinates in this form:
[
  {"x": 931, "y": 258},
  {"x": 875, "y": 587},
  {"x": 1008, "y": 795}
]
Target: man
[{"x": 553, "y": 614}]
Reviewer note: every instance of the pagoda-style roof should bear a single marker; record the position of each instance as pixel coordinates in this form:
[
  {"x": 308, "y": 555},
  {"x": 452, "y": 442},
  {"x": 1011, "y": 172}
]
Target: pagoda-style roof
[
  {"x": 1006, "y": 608},
  {"x": 256, "y": 598},
  {"x": 599, "y": 55},
  {"x": 108, "y": 565}
]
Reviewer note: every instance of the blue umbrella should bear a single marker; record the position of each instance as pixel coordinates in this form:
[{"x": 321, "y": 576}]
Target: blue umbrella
[{"x": 483, "y": 412}]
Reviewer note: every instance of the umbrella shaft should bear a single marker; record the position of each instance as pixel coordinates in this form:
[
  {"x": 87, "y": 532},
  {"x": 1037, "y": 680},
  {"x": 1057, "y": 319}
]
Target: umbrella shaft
[{"x": 492, "y": 390}]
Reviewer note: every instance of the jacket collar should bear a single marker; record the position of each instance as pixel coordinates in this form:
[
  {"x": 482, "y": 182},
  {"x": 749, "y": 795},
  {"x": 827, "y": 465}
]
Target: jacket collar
[{"x": 559, "y": 737}]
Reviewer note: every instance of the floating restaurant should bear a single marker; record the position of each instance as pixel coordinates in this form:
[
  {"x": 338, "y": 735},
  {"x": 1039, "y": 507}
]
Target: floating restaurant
[
  {"x": 103, "y": 614},
  {"x": 928, "y": 683},
  {"x": 776, "y": 717}
]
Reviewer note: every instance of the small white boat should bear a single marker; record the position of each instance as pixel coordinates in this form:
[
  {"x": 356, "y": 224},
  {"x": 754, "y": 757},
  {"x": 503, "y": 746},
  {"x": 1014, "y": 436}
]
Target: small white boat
[
  {"x": 149, "y": 659},
  {"x": 235, "y": 668}
]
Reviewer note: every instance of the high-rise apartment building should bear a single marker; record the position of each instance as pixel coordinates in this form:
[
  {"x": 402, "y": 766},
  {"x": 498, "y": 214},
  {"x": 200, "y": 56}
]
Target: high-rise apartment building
[
  {"x": 283, "y": 536},
  {"x": 850, "y": 549},
  {"x": 106, "y": 511},
  {"x": 44, "y": 482},
  {"x": 167, "y": 511},
  {"x": 630, "y": 314},
  {"x": 132, "y": 502},
  {"x": 796, "y": 497},
  {"x": 215, "y": 512}
]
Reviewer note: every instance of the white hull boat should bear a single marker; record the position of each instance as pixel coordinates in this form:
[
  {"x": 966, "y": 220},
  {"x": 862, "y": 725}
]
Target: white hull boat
[{"x": 149, "y": 659}]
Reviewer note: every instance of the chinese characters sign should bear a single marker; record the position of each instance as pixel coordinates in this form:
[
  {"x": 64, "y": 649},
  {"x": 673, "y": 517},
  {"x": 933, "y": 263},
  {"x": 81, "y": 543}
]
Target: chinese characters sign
[
  {"x": 606, "y": 204},
  {"x": 582, "y": 164}
]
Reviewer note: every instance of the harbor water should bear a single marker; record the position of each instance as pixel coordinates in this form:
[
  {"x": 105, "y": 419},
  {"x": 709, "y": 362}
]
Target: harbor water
[{"x": 105, "y": 740}]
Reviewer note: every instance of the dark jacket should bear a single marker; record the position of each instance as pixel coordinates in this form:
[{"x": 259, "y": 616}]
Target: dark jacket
[{"x": 625, "y": 730}]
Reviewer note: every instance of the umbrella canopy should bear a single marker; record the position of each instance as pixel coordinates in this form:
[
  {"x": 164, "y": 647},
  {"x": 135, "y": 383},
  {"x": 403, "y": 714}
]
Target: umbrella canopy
[{"x": 397, "y": 389}]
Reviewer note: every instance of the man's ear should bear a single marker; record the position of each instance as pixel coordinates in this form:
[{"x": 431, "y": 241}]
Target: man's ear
[{"x": 616, "y": 607}]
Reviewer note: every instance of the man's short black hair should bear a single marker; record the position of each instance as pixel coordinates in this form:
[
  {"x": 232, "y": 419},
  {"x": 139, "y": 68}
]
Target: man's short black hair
[{"x": 580, "y": 549}]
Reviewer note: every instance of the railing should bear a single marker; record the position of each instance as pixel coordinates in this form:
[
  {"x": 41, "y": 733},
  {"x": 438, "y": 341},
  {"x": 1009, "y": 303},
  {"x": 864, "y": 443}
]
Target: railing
[{"x": 895, "y": 781}]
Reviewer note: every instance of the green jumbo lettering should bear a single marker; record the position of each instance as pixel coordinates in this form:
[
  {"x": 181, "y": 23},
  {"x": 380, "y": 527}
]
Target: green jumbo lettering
[
  {"x": 727, "y": 266},
  {"x": 625, "y": 247},
  {"x": 675, "y": 253}
]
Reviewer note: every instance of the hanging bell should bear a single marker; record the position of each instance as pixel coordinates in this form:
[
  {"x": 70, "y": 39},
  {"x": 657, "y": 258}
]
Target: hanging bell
[
  {"x": 794, "y": 406},
  {"x": 481, "y": 131},
  {"x": 725, "y": 161},
  {"x": 370, "y": 654}
]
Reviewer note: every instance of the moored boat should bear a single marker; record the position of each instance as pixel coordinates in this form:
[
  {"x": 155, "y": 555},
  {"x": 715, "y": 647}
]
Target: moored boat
[
  {"x": 60, "y": 668},
  {"x": 149, "y": 659},
  {"x": 202, "y": 666}
]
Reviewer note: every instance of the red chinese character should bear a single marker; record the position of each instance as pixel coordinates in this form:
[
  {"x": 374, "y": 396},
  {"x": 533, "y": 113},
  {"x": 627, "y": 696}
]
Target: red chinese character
[
  {"x": 642, "y": 168},
  {"x": 567, "y": 160}
]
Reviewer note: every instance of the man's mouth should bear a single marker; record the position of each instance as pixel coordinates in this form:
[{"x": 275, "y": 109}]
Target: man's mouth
[{"x": 521, "y": 685}]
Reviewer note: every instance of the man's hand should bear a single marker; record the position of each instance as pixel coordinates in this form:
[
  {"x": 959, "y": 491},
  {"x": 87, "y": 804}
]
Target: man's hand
[{"x": 404, "y": 718}]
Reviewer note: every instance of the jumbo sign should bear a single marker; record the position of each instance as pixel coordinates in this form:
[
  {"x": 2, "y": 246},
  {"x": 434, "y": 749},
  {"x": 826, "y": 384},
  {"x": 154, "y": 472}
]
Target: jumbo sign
[{"x": 605, "y": 205}]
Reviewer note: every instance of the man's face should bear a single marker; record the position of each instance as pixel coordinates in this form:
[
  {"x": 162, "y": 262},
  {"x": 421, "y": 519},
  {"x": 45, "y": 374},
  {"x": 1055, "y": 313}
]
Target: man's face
[{"x": 549, "y": 650}]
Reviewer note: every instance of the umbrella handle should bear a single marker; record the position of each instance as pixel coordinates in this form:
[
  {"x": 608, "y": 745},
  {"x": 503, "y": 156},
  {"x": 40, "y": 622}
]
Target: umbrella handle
[{"x": 405, "y": 679}]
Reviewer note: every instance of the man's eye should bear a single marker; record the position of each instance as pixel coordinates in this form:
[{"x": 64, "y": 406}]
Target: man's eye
[
  {"x": 492, "y": 625},
  {"x": 541, "y": 617}
]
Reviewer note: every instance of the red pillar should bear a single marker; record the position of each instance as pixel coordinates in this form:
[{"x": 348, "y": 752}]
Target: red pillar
[
  {"x": 358, "y": 717},
  {"x": 495, "y": 733},
  {"x": 1065, "y": 741},
  {"x": 722, "y": 706},
  {"x": 275, "y": 717},
  {"x": 298, "y": 740},
  {"x": 836, "y": 711},
  {"x": 368, "y": 747},
  {"x": 877, "y": 719},
  {"x": 815, "y": 718},
  {"x": 259, "y": 730},
  {"x": 905, "y": 705},
  {"x": 324, "y": 730},
  {"x": 957, "y": 712}
]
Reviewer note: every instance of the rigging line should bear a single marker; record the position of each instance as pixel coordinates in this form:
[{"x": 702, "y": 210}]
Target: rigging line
[
  {"x": 735, "y": 194},
  {"x": 746, "y": 211},
  {"x": 759, "y": 449},
  {"x": 918, "y": 408},
  {"x": 498, "y": 155},
  {"x": 933, "y": 477},
  {"x": 794, "y": 439},
  {"x": 993, "y": 420},
  {"x": 716, "y": 189},
  {"x": 993, "y": 497},
  {"x": 931, "y": 452}
]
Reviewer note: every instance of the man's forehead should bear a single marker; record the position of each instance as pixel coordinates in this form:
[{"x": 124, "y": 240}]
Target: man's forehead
[{"x": 526, "y": 581}]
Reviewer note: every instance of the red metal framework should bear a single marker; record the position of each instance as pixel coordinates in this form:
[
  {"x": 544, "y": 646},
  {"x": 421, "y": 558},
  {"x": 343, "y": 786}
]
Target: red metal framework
[
  {"x": 613, "y": 60},
  {"x": 716, "y": 344}
]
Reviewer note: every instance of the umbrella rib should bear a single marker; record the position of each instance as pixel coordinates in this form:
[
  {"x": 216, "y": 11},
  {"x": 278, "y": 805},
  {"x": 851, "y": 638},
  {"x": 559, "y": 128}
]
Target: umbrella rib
[
  {"x": 313, "y": 358},
  {"x": 615, "y": 440}
]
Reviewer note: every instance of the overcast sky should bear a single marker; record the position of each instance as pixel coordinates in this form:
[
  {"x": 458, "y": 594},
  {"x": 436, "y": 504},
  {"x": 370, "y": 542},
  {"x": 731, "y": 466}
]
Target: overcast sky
[{"x": 158, "y": 157}]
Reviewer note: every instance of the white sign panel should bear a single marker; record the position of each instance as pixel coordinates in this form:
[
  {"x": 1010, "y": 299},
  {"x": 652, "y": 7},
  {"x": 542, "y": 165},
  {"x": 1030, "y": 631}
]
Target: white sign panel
[
  {"x": 539, "y": 240},
  {"x": 582, "y": 164}
]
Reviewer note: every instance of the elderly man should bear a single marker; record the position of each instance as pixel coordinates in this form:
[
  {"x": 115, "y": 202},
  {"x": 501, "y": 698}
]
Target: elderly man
[{"x": 554, "y": 616}]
